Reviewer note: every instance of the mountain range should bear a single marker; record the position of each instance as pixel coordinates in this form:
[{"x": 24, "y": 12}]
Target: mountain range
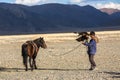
[{"x": 54, "y": 17}]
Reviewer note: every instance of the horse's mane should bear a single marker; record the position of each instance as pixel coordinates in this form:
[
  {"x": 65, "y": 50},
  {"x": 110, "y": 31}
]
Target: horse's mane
[{"x": 36, "y": 42}]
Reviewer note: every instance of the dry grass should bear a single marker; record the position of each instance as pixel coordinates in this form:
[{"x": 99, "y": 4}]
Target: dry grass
[{"x": 52, "y": 65}]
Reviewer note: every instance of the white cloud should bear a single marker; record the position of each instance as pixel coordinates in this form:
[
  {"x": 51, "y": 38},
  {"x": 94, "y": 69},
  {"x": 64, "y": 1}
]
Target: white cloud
[
  {"x": 85, "y": 1},
  {"x": 108, "y": 5},
  {"x": 76, "y": 1},
  {"x": 95, "y": 3},
  {"x": 27, "y": 2},
  {"x": 34, "y": 2}
]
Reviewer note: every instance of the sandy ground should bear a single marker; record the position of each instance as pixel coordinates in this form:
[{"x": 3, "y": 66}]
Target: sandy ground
[{"x": 57, "y": 63}]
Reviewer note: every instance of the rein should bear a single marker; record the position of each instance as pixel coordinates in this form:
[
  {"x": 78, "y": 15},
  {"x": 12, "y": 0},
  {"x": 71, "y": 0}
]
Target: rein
[{"x": 68, "y": 52}]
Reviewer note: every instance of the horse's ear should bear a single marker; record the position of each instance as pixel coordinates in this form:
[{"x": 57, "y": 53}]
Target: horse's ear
[{"x": 41, "y": 37}]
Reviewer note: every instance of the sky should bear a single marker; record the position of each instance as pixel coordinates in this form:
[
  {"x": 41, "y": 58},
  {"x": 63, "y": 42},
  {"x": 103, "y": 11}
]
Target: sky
[{"x": 96, "y": 3}]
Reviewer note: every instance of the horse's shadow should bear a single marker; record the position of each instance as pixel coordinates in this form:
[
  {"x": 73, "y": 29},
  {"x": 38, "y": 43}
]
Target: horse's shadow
[
  {"x": 2, "y": 69},
  {"x": 60, "y": 69},
  {"x": 114, "y": 74}
]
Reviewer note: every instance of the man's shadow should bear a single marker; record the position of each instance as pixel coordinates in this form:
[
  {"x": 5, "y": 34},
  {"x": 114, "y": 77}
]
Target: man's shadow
[
  {"x": 114, "y": 74},
  {"x": 3, "y": 69}
]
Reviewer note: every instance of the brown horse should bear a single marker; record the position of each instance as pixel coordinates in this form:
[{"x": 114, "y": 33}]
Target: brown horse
[{"x": 30, "y": 49}]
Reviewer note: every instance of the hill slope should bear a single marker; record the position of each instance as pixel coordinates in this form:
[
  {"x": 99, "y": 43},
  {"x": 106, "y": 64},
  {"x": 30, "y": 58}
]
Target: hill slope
[{"x": 16, "y": 18}]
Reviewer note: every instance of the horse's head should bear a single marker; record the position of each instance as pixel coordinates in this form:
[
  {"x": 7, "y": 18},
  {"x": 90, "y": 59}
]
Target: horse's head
[
  {"x": 41, "y": 42},
  {"x": 83, "y": 36}
]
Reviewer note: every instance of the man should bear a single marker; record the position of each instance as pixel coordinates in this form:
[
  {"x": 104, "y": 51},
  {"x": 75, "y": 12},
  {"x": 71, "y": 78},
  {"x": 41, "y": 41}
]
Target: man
[{"x": 92, "y": 49}]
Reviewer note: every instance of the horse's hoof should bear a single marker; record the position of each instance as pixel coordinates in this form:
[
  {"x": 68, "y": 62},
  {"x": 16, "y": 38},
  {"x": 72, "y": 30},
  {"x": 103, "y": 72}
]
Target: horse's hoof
[
  {"x": 26, "y": 69},
  {"x": 31, "y": 69},
  {"x": 36, "y": 68}
]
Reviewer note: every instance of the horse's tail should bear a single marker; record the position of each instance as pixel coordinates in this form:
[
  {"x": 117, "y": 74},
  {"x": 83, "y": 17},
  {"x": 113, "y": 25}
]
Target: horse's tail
[{"x": 24, "y": 53}]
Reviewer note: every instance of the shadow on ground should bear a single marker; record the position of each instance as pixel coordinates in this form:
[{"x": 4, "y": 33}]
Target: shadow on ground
[
  {"x": 57, "y": 69},
  {"x": 2, "y": 69},
  {"x": 114, "y": 74}
]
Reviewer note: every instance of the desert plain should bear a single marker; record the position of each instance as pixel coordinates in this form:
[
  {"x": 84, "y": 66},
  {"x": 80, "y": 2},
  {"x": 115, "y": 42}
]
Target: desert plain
[{"x": 64, "y": 58}]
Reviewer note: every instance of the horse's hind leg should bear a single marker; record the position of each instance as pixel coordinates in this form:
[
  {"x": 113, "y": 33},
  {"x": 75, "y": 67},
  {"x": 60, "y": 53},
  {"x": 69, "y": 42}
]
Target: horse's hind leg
[
  {"x": 25, "y": 63},
  {"x": 25, "y": 55},
  {"x": 26, "y": 66},
  {"x": 31, "y": 64},
  {"x": 34, "y": 61}
]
